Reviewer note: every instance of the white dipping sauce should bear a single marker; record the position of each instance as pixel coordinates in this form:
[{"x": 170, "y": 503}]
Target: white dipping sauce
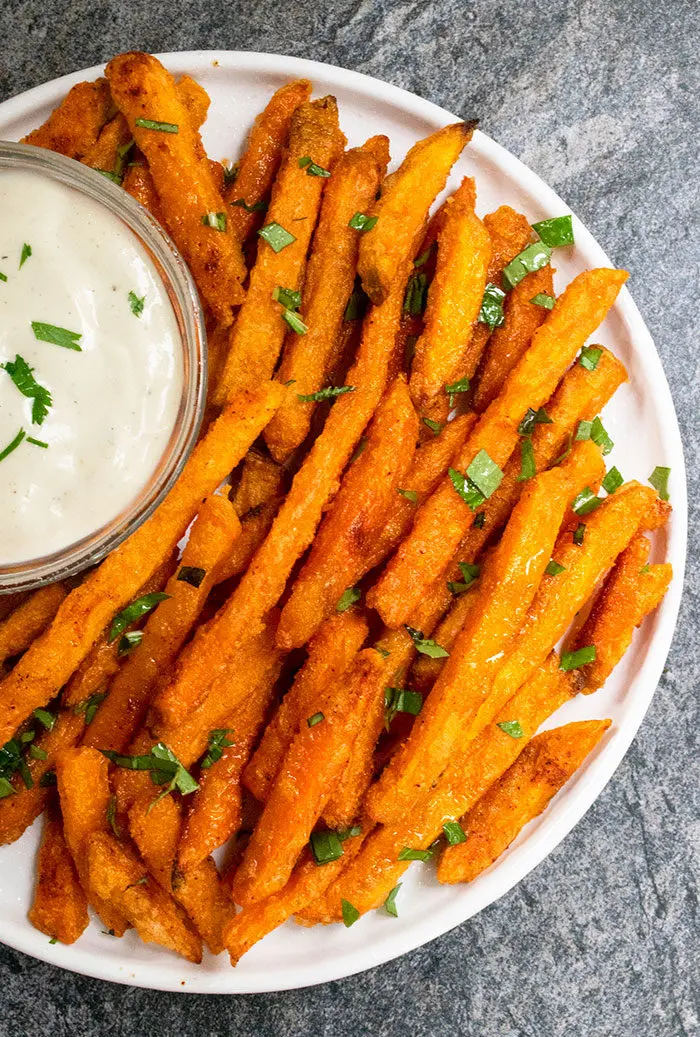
[{"x": 115, "y": 402}]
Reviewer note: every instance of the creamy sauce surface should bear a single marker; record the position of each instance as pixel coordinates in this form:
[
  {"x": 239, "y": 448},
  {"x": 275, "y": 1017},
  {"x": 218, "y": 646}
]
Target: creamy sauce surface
[{"x": 114, "y": 403}]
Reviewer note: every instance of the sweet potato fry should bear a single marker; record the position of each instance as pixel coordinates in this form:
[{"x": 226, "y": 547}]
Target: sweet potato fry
[
  {"x": 454, "y": 298},
  {"x": 215, "y": 811},
  {"x": 194, "y": 99},
  {"x": 425, "y": 670},
  {"x": 59, "y": 908},
  {"x": 330, "y": 275},
  {"x": 507, "y": 587},
  {"x": 117, "y": 875},
  {"x": 75, "y": 125},
  {"x": 508, "y": 343},
  {"x": 294, "y": 527},
  {"x": 257, "y": 662},
  {"x": 343, "y": 548},
  {"x": 200, "y": 892},
  {"x": 53, "y": 657},
  {"x": 146, "y": 94},
  {"x": 83, "y": 790},
  {"x": 19, "y": 810},
  {"x": 258, "y": 334},
  {"x": 375, "y": 871},
  {"x": 444, "y": 518},
  {"x": 330, "y": 653},
  {"x": 609, "y": 530},
  {"x": 403, "y": 206},
  {"x": 312, "y": 766},
  {"x": 138, "y": 182},
  {"x": 261, "y": 159},
  {"x": 256, "y": 499},
  {"x": 103, "y": 660},
  {"x": 214, "y": 531},
  {"x": 632, "y": 590},
  {"x": 155, "y": 825},
  {"x": 29, "y": 619},
  {"x": 520, "y": 795},
  {"x": 109, "y": 150}
]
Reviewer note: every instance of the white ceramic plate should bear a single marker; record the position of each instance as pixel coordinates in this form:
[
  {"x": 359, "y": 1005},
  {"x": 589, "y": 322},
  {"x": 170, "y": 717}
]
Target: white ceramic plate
[{"x": 643, "y": 424}]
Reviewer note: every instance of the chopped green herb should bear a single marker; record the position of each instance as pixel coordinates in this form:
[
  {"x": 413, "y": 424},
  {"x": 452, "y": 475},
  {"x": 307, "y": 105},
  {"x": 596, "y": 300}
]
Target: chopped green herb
[
  {"x": 566, "y": 451},
  {"x": 532, "y": 258},
  {"x": 411, "y": 495},
  {"x": 401, "y": 700},
  {"x": 6, "y": 789},
  {"x": 90, "y": 706},
  {"x": 469, "y": 493},
  {"x": 585, "y": 502},
  {"x": 554, "y": 568},
  {"x": 581, "y": 657},
  {"x": 579, "y": 533},
  {"x": 329, "y": 393},
  {"x": 163, "y": 764},
  {"x": 216, "y": 743},
  {"x": 134, "y": 611},
  {"x": 295, "y": 322},
  {"x": 590, "y": 355},
  {"x": 359, "y": 449},
  {"x": 528, "y": 468},
  {"x": 54, "y": 939},
  {"x": 348, "y": 598},
  {"x": 355, "y": 309},
  {"x": 470, "y": 573},
  {"x": 363, "y": 223},
  {"x": 315, "y": 718},
  {"x": 426, "y": 646},
  {"x": 434, "y": 426},
  {"x": 3, "y": 277},
  {"x": 276, "y": 236},
  {"x": 350, "y": 913},
  {"x": 38, "y": 442},
  {"x": 136, "y": 303},
  {"x": 6, "y": 451},
  {"x": 57, "y": 336},
  {"x": 456, "y": 387},
  {"x": 600, "y": 437},
  {"x": 231, "y": 173},
  {"x": 326, "y": 846},
  {"x": 349, "y": 833},
  {"x": 416, "y": 295},
  {"x": 491, "y": 312},
  {"x": 22, "y": 375},
  {"x": 37, "y": 753},
  {"x": 407, "y": 854},
  {"x": 613, "y": 480},
  {"x": 382, "y": 651},
  {"x": 215, "y": 220},
  {"x": 287, "y": 297},
  {"x": 555, "y": 232},
  {"x": 512, "y": 728},
  {"x": 544, "y": 300},
  {"x": 479, "y": 520},
  {"x": 454, "y": 833},
  {"x": 47, "y": 780},
  {"x": 583, "y": 430},
  {"x": 46, "y": 719},
  {"x": 256, "y": 207},
  {"x": 24, "y": 255},
  {"x": 532, "y": 418},
  {"x": 659, "y": 480},
  {"x": 311, "y": 168},
  {"x": 162, "y": 127},
  {"x": 110, "y": 174},
  {"x": 112, "y": 816},
  {"x": 191, "y": 574},
  {"x": 128, "y": 642},
  {"x": 390, "y": 902}
]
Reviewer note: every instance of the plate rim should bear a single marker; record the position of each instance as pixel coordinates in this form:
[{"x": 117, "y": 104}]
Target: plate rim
[{"x": 582, "y": 795}]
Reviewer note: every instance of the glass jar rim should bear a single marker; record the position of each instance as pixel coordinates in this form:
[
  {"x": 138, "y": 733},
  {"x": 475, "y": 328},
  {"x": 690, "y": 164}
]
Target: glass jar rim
[{"x": 187, "y": 309}]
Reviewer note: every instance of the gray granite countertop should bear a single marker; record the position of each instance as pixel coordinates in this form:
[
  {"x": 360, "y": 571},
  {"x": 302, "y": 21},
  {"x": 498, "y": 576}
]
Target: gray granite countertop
[{"x": 601, "y": 98}]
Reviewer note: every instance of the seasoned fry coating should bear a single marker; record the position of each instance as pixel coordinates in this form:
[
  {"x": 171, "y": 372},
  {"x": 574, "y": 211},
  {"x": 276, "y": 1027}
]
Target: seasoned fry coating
[
  {"x": 454, "y": 298},
  {"x": 523, "y": 792},
  {"x": 144, "y": 91},
  {"x": 444, "y": 518},
  {"x": 307, "y": 360},
  {"x": 59, "y": 908},
  {"x": 343, "y": 549},
  {"x": 257, "y": 169},
  {"x": 88, "y": 609},
  {"x": 258, "y": 334},
  {"x": 29, "y": 619},
  {"x": 403, "y": 207},
  {"x": 632, "y": 590},
  {"x": 73, "y": 128}
]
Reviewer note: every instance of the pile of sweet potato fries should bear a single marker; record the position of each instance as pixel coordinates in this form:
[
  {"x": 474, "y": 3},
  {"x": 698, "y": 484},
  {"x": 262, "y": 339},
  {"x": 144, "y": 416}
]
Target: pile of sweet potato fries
[{"x": 394, "y": 518}]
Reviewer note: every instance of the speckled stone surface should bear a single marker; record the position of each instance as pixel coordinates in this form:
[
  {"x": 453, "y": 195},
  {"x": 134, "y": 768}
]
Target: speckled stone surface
[{"x": 601, "y": 98}]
